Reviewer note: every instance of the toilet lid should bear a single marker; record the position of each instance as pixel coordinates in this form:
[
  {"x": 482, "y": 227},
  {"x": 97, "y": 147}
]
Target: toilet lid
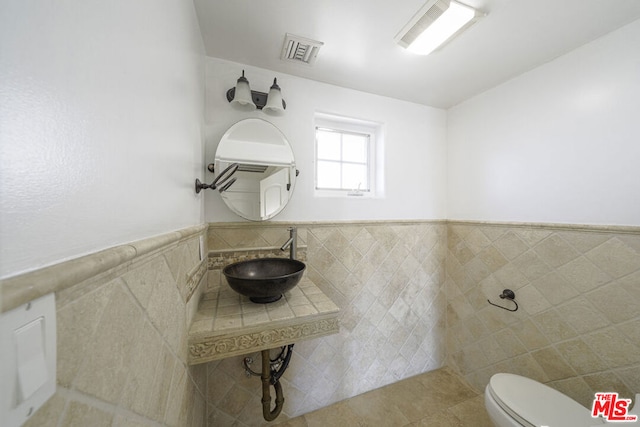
[{"x": 538, "y": 404}]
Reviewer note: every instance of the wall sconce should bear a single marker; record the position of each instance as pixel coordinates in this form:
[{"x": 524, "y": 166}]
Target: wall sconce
[{"x": 243, "y": 98}]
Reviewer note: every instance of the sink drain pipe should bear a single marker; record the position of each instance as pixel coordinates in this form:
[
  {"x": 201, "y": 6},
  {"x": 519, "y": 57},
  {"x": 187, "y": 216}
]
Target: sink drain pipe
[
  {"x": 272, "y": 370},
  {"x": 267, "y": 413}
]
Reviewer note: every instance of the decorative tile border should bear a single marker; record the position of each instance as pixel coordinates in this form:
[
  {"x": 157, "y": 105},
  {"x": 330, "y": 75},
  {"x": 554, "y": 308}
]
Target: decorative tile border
[
  {"x": 194, "y": 278},
  {"x": 214, "y": 348},
  {"x": 219, "y": 259}
]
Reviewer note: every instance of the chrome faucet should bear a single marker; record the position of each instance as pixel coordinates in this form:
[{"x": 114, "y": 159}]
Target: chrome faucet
[{"x": 292, "y": 243}]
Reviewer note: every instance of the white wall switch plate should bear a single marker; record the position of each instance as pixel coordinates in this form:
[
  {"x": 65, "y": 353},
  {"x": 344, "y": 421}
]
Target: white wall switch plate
[{"x": 28, "y": 355}]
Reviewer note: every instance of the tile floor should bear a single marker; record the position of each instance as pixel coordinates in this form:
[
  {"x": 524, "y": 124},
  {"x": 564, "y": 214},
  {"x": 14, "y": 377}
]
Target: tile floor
[{"x": 438, "y": 398}]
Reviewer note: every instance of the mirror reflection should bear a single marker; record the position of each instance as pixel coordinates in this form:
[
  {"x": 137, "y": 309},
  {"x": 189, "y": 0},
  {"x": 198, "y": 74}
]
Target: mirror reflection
[{"x": 266, "y": 174}]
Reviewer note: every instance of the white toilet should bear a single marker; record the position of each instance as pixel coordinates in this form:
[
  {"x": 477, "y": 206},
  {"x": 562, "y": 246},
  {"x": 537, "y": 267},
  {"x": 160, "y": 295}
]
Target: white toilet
[{"x": 515, "y": 401}]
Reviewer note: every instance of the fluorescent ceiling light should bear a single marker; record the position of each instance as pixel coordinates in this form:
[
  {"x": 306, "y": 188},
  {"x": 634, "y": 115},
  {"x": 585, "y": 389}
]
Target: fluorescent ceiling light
[{"x": 436, "y": 23}]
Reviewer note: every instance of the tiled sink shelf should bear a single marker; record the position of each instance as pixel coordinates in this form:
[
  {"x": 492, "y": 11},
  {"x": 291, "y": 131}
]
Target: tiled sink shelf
[{"x": 228, "y": 324}]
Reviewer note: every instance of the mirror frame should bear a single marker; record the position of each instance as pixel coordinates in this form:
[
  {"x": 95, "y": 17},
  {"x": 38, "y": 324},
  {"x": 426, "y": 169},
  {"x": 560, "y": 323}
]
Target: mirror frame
[{"x": 257, "y": 144}]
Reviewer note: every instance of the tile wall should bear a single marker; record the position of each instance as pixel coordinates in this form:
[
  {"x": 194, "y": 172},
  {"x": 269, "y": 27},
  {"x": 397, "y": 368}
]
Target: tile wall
[
  {"x": 121, "y": 336},
  {"x": 388, "y": 280},
  {"x": 122, "y": 329},
  {"x": 578, "y": 289}
]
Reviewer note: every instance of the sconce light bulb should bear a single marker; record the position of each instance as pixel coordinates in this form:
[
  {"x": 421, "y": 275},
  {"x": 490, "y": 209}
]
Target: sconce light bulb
[
  {"x": 242, "y": 99},
  {"x": 275, "y": 105}
]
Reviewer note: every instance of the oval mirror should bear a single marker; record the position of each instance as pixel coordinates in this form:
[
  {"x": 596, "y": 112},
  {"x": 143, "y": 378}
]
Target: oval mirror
[{"x": 266, "y": 172}]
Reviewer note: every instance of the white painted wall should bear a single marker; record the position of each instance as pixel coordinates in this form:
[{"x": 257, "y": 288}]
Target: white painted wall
[
  {"x": 100, "y": 126},
  {"x": 560, "y": 143},
  {"x": 101, "y": 134},
  {"x": 414, "y": 141}
]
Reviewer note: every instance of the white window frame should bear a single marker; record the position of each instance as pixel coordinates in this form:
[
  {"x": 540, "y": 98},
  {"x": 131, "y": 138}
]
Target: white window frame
[{"x": 354, "y": 126}]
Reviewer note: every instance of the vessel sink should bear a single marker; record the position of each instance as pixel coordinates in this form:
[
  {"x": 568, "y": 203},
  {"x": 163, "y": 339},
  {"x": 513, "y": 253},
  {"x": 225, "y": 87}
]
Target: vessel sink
[{"x": 264, "y": 280}]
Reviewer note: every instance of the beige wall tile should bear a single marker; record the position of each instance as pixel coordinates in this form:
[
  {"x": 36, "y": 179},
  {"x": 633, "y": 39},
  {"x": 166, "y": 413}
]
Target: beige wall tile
[
  {"x": 584, "y": 241},
  {"x": 492, "y": 258},
  {"x": 147, "y": 387},
  {"x": 583, "y": 275},
  {"x": 510, "y": 245},
  {"x": 554, "y": 288},
  {"x": 494, "y": 231},
  {"x": 510, "y": 277},
  {"x": 166, "y": 308},
  {"x": 532, "y": 300},
  {"x": 110, "y": 352},
  {"x": 531, "y": 265},
  {"x": 614, "y": 302},
  {"x": 555, "y": 251},
  {"x": 631, "y": 330},
  {"x": 616, "y": 349},
  {"x": 241, "y": 237},
  {"x": 577, "y": 389},
  {"x": 476, "y": 270},
  {"x": 630, "y": 284},
  {"x": 476, "y": 240},
  {"x": 76, "y": 326},
  {"x": 632, "y": 241},
  {"x": 494, "y": 318},
  {"x": 106, "y": 367},
  {"x": 143, "y": 279},
  {"x": 529, "y": 335},
  {"x": 179, "y": 262},
  {"x": 179, "y": 389},
  {"x": 605, "y": 381},
  {"x": 235, "y": 400},
  {"x": 527, "y": 366},
  {"x": 554, "y": 326},
  {"x": 162, "y": 384},
  {"x": 336, "y": 243},
  {"x": 553, "y": 364},
  {"x": 630, "y": 377},
  {"x": 510, "y": 343},
  {"x": 390, "y": 282},
  {"x": 580, "y": 356},
  {"x": 582, "y": 315},
  {"x": 532, "y": 236},
  {"x": 363, "y": 241},
  {"x": 386, "y": 278},
  {"x": 615, "y": 258},
  {"x": 576, "y": 288}
]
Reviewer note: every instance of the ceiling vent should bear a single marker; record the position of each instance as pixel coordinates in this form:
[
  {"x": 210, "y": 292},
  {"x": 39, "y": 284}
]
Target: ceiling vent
[{"x": 300, "y": 50}]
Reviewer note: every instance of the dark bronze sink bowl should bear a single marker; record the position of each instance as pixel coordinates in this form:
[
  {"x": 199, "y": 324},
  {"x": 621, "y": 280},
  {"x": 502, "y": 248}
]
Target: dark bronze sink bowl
[{"x": 264, "y": 280}]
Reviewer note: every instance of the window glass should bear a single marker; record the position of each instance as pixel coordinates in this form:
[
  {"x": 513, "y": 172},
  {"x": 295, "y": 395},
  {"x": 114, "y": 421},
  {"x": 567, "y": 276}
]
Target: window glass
[
  {"x": 342, "y": 160},
  {"x": 344, "y": 156},
  {"x": 329, "y": 174},
  {"x": 354, "y": 177},
  {"x": 354, "y": 148},
  {"x": 330, "y": 145}
]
